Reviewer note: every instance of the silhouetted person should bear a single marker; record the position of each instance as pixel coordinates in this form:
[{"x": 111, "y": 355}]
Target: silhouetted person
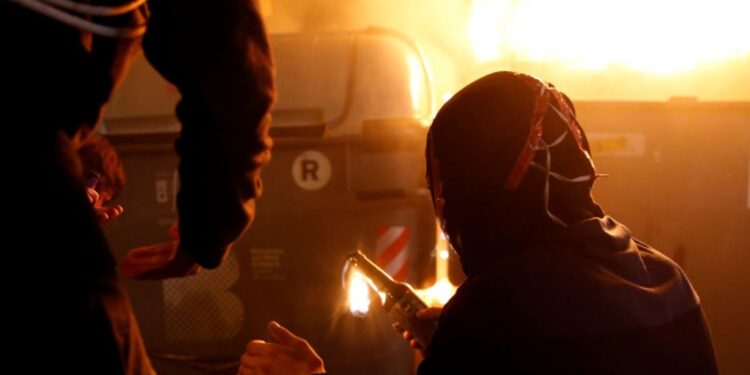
[
  {"x": 57, "y": 74},
  {"x": 553, "y": 284}
]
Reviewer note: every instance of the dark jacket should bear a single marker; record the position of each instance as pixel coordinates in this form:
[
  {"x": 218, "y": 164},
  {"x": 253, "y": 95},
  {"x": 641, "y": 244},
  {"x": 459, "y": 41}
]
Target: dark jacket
[
  {"x": 591, "y": 300},
  {"x": 74, "y": 316}
]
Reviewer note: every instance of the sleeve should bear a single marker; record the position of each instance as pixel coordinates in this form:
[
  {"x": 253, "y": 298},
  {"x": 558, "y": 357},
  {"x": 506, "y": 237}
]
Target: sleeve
[
  {"x": 477, "y": 334},
  {"x": 216, "y": 52}
]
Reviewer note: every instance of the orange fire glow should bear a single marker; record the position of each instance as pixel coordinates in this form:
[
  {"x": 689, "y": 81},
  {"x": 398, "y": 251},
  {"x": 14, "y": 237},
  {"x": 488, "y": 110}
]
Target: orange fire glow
[
  {"x": 358, "y": 294},
  {"x": 440, "y": 292},
  {"x": 359, "y": 288},
  {"x": 663, "y": 37}
]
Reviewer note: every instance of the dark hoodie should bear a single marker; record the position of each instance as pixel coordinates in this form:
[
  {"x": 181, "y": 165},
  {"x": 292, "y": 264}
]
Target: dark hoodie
[
  {"x": 591, "y": 300},
  {"x": 542, "y": 296}
]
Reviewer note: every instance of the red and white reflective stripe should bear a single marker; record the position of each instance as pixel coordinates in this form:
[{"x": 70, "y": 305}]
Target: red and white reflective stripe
[
  {"x": 392, "y": 251},
  {"x": 567, "y": 115},
  {"x": 535, "y": 133}
]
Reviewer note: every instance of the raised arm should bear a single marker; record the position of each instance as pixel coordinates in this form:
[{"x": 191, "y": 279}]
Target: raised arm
[{"x": 216, "y": 52}]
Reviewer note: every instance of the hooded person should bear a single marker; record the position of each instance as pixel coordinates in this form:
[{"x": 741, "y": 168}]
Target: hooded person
[
  {"x": 61, "y": 62},
  {"x": 553, "y": 284}
]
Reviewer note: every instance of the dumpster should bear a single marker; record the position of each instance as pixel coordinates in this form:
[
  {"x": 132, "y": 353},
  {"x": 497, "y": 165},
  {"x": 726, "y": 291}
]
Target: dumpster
[{"x": 347, "y": 173}]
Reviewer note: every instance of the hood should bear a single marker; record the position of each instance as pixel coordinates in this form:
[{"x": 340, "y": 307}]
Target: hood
[{"x": 502, "y": 125}]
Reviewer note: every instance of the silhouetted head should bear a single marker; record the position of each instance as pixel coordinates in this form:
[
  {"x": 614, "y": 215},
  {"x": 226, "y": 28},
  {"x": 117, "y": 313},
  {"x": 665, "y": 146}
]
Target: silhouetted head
[{"x": 507, "y": 165}]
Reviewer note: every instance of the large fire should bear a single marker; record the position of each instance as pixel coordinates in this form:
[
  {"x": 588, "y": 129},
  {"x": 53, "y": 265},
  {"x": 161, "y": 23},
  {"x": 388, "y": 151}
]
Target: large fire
[{"x": 664, "y": 36}]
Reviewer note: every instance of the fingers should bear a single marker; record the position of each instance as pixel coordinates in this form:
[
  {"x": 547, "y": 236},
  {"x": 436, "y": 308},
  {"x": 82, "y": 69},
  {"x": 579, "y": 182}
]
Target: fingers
[
  {"x": 284, "y": 336},
  {"x": 257, "y": 347},
  {"x": 93, "y": 195},
  {"x": 252, "y": 365},
  {"x": 101, "y": 216},
  {"x": 430, "y": 313},
  {"x": 292, "y": 355},
  {"x": 158, "y": 262},
  {"x": 262, "y": 357},
  {"x": 259, "y": 352},
  {"x": 163, "y": 250},
  {"x": 408, "y": 337},
  {"x": 117, "y": 210},
  {"x": 148, "y": 258},
  {"x": 107, "y": 214},
  {"x": 174, "y": 231}
]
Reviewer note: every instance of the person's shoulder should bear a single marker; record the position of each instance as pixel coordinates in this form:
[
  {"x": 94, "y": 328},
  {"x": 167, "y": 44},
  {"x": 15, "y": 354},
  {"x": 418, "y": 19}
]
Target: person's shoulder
[
  {"x": 492, "y": 295},
  {"x": 655, "y": 256}
]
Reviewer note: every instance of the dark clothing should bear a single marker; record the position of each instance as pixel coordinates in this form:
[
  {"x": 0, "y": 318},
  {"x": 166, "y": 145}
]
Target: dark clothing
[
  {"x": 56, "y": 80},
  {"x": 589, "y": 300},
  {"x": 217, "y": 54},
  {"x": 72, "y": 314}
]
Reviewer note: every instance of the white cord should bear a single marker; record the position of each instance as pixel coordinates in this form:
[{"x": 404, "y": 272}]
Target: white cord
[
  {"x": 97, "y": 10},
  {"x": 547, "y": 173},
  {"x": 81, "y": 23},
  {"x": 560, "y": 177},
  {"x": 547, "y": 169},
  {"x": 560, "y": 114}
]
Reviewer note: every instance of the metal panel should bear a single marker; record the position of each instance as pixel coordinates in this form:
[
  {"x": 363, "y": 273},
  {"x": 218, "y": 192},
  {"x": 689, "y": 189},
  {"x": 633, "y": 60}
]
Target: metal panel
[
  {"x": 684, "y": 190},
  {"x": 288, "y": 266}
]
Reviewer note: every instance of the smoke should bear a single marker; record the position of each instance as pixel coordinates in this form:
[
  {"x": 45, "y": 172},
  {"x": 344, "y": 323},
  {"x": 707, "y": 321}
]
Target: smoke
[
  {"x": 591, "y": 49},
  {"x": 438, "y": 28}
]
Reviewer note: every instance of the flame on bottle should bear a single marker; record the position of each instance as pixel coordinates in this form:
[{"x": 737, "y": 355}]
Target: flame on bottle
[{"x": 358, "y": 294}]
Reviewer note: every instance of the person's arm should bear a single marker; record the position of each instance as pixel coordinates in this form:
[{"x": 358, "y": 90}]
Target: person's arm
[
  {"x": 216, "y": 52},
  {"x": 289, "y": 355}
]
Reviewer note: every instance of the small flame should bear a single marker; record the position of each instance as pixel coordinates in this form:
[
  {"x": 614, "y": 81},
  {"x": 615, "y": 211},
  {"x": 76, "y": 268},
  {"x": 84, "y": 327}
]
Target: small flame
[
  {"x": 360, "y": 288},
  {"x": 439, "y": 293},
  {"x": 359, "y": 294}
]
